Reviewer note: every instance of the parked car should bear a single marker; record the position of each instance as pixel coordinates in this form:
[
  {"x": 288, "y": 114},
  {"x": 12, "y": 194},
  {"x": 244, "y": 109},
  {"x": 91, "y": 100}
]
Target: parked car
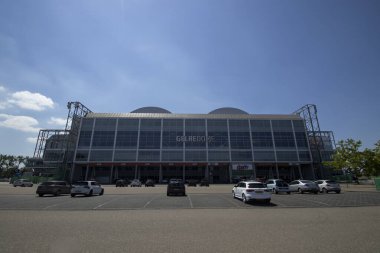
[
  {"x": 135, "y": 183},
  {"x": 302, "y": 186},
  {"x": 251, "y": 190},
  {"x": 22, "y": 183},
  {"x": 204, "y": 182},
  {"x": 192, "y": 182},
  {"x": 327, "y": 186},
  {"x": 149, "y": 182},
  {"x": 87, "y": 188},
  {"x": 53, "y": 187},
  {"x": 278, "y": 185},
  {"x": 176, "y": 187},
  {"x": 122, "y": 183}
]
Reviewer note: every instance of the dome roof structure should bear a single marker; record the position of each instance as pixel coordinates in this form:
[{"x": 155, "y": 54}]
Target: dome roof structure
[
  {"x": 228, "y": 110},
  {"x": 151, "y": 109}
]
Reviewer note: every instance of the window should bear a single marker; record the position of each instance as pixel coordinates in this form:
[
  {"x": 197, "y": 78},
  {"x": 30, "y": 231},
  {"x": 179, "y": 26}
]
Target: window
[
  {"x": 240, "y": 140},
  {"x": 287, "y": 156},
  {"x": 261, "y": 140},
  {"x": 195, "y": 156},
  {"x": 172, "y": 155},
  {"x": 149, "y": 155},
  {"x": 101, "y": 155},
  {"x": 126, "y": 139},
  {"x": 84, "y": 139},
  {"x": 264, "y": 155},
  {"x": 103, "y": 139},
  {"x": 125, "y": 155},
  {"x": 241, "y": 156},
  {"x": 216, "y": 156},
  {"x": 81, "y": 155},
  {"x": 284, "y": 139},
  {"x": 150, "y": 140}
]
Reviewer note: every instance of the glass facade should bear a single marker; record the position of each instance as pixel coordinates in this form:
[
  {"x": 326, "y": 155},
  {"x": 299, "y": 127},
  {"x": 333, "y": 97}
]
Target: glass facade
[{"x": 192, "y": 140}]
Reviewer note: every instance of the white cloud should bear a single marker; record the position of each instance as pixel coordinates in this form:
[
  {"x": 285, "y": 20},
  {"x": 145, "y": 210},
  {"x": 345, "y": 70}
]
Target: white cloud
[
  {"x": 2, "y": 89},
  {"x": 21, "y": 123},
  {"x": 31, "y": 101},
  {"x": 57, "y": 121},
  {"x": 32, "y": 140}
]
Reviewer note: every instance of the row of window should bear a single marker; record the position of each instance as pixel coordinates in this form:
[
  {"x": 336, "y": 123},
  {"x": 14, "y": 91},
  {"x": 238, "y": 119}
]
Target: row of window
[
  {"x": 194, "y": 155},
  {"x": 235, "y": 125},
  {"x": 217, "y": 140}
]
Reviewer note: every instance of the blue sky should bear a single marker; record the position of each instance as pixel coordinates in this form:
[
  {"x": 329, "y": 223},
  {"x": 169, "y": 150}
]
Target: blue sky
[{"x": 264, "y": 57}]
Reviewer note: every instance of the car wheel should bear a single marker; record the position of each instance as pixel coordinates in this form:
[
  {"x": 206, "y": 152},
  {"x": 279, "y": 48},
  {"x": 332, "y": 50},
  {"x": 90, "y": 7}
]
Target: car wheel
[
  {"x": 316, "y": 192},
  {"x": 288, "y": 192},
  {"x": 40, "y": 194},
  {"x": 89, "y": 194},
  {"x": 337, "y": 192},
  {"x": 101, "y": 193},
  {"x": 267, "y": 201},
  {"x": 168, "y": 194},
  {"x": 72, "y": 195},
  {"x": 244, "y": 198},
  {"x": 233, "y": 194},
  {"x": 324, "y": 190},
  {"x": 300, "y": 190},
  {"x": 276, "y": 192}
]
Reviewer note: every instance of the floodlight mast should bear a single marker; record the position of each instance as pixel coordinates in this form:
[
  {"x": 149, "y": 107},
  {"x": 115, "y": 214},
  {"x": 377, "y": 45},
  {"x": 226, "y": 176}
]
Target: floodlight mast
[
  {"x": 69, "y": 136},
  {"x": 309, "y": 113}
]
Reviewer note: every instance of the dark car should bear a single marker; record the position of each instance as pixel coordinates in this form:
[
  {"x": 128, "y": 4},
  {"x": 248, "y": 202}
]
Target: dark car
[
  {"x": 122, "y": 183},
  {"x": 53, "y": 187},
  {"x": 149, "y": 182},
  {"x": 204, "y": 182},
  {"x": 192, "y": 182},
  {"x": 176, "y": 188}
]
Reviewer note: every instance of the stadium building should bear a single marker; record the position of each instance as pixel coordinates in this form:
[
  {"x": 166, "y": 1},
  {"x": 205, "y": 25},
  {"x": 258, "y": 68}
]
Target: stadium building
[{"x": 153, "y": 143}]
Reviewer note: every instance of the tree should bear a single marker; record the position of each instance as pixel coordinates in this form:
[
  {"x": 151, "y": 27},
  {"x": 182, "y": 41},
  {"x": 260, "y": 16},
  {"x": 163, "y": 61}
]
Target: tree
[
  {"x": 9, "y": 164},
  {"x": 347, "y": 157}
]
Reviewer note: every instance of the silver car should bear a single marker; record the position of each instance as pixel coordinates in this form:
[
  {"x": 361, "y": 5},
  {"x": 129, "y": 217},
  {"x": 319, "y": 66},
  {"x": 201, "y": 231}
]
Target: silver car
[
  {"x": 327, "y": 186},
  {"x": 22, "y": 183},
  {"x": 302, "y": 186},
  {"x": 278, "y": 185},
  {"x": 135, "y": 183}
]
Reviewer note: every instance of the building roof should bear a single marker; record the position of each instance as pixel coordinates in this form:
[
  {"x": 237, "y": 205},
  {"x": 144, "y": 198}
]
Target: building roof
[{"x": 193, "y": 116}]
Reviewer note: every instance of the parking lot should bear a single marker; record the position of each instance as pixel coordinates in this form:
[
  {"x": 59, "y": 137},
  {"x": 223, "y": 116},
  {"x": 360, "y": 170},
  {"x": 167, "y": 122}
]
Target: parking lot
[
  {"x": 208, "y": 219},
  {"x": 215, "y": 196}
]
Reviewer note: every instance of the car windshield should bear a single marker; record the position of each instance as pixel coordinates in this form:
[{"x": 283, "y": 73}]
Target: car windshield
[
  {"x": 256, "y": 185},
  {"x": 281, "y": 183},
  {"x": 306, "y": 182},
  {"x": 331, "y": 182}
]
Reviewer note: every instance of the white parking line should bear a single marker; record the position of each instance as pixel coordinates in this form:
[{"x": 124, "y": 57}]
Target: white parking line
[
  {"x": 147, "y": 203},
  {"x": 57, "y": 204},
  {"x": 230, "y": 201},
  {"x": 318, "y": 202},
  {"x": 107, "y": 202},
  {"x": 191, "y": 202}
]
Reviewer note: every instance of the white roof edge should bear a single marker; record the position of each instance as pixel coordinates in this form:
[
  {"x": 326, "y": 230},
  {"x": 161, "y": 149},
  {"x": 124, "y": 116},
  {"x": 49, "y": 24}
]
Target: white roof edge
[{"x": 193, "y": 116}]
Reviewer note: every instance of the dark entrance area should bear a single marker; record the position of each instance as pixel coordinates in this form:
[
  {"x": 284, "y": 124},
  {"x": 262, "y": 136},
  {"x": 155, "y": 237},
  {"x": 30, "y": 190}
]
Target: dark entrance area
[
  {"x": 169, "y": 172},
  {"x": 195, "y": 172},
  {"x": 219, "y": 174},
  {"x": 123, "y": 172},
  {"x": 149, "y": 172}
]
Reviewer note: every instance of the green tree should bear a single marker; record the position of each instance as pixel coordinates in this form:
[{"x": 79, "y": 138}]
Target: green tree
[{"x": 347, "y": 156}]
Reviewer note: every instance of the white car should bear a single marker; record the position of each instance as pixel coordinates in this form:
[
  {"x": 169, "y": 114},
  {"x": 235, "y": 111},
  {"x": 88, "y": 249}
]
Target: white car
[
  {"x": 251, "y": 190},
  {"x": 278, "y": 185},
  {"x": 327, "y": 186},
  {"x": 22, "y": 183},
  {"x": 87, "y": 188}
]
